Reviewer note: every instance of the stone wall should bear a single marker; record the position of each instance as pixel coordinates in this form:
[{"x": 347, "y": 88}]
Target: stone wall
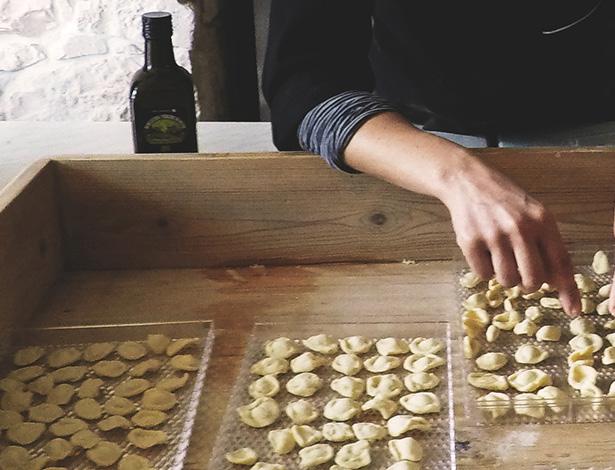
[{"x": 63, "y": 60}]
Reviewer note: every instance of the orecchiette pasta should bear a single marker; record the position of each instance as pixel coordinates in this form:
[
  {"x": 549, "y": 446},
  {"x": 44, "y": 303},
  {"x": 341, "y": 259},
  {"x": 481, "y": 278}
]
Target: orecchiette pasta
[
  {"x": 529, "y": 404},
  {"x": 260, "y": 413},
  {"x": 349, "y": 387},
  {"x": 385, "y": 406},
  {"x": 600, "y": 263},
  {"x": 474, "y": 321},
  {"x": 488, "y": 381},
  {"x": 536, "y": 295},
  {"x": 605, "y": 291},
  {"x": 471, "y": 347},
  {"x": 602, "y": 308},
  {"x": 422, "y": 362},
  {"x": 354, "y": 455},
  {"x": 281, "y": 441},
  {"x": 243, "y": 456},
  {"x": 391, "y": 346},
  {"x": 529, "y": 380},
  {"x": 266, "y": 386},
  {"x": 378, "y": 364},
  {"x": 596, "y": 395},
  {"x": 387, "y": 386},
  {"x": 470, "y": 280},
  {"x": 281, "y": 348},
  {"x": 337, "y": 432},
  {"x": 586, "y": 340},
  {"x": 348, "y": 364},
  {"x": 270, "y": 366},
  {"x": 305, "y": 435},
  {"x": 356, "y": 344},
  {"x": 551, "y": 302},
  {"x": 587, "y": 305},
  {"x": 369, "y": 431},
  {"x": 525, "y": 327},
  {"x": 581, "y": 376},
  {"x": 478, "y": 300},
  {"x": 506, "y": 320},
  {"x": 608, "y": 356},
  {"x": 582, "y": 356},
  {"x": 324, "y": 344},
  {"x": 611, "y": 338},
  {"x": 421, "y": 402},
  {"x": 495, "y": 404},
  {"x": 407, "y": 448},
  {"x": 307, "y": 362},
  {"x": 534, "y": 314},
  {"x": 315, "y": 455},
  {"x": 554, "y": 398},
  {"x": 580, "y": 326},
  {"x": 530, "y": 354},
  {"x": 301, "y": 412},
  {"x": 341, "y": 409},
  {"x": 401, "y": 424},
  {"x": 426, "y": 346},
  {"x": 492, "y": 334},
  {"x": 305, "y": 384},
  {"x": 549, "y": 333},
  {"x": 584, "y": 283},
  {"x": 421, "y": 381},
  {"x": 492, "y": 361}
]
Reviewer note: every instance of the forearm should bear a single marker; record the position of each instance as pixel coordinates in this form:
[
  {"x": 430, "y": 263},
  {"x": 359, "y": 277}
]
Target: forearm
[{"x": 389, "y": 147}]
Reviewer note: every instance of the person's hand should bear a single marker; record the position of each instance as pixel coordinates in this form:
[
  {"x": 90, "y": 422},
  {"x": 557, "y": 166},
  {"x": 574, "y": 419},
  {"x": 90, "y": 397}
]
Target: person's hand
[
  {"x": 504, "y": 231},
  {"x": 612, "y": 293}
]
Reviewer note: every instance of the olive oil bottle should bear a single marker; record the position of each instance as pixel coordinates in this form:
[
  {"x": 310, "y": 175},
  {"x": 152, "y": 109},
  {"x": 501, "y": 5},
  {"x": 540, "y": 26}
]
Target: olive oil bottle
[{"x": 162, "y": 94}]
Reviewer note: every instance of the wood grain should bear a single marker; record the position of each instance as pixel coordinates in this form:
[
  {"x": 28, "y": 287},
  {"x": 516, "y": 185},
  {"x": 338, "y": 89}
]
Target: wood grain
[
  {"x": 235, "y": 298},
  {"x": 222, "y": 210},
  {"x": 30, "y": 243}
]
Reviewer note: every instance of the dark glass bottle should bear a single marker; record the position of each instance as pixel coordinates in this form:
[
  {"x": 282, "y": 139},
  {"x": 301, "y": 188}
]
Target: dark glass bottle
[{"x": 162, "y": 94}]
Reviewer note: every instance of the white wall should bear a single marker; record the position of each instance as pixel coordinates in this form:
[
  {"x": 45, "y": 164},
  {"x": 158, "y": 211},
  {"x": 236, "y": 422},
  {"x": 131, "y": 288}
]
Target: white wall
[{"x": 63, "y": 60}]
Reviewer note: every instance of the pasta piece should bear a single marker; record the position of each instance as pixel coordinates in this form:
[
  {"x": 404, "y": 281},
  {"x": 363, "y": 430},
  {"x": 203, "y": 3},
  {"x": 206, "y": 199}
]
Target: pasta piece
[
  {"x": 580, "y": 326},
  {"x": 69, "y": 374},
  {"x": 608, "y": 356},
  {"x": 10, "y": 385},
  {"x": 529, "y": 404},
  {"x": 184, "y": 362},
  {"x": 347, "y": 364},
  {"x": 179, "y": 345},
  {"x": 404, "y": 465},
  {"x": 281, "y": 441},
  {"x": 16, "y": 401},
  {"x": 583, "y": 356},
  {"x": 175, "y": 382},
  {"x": 602, "y": 308},
  {"x": 315, "y": 455},
  {"x": 305, "y": 435},
  {"x": 506, "y": 320},
  {"x": 134, "y": 462},
  {"x": 341, "y": 409},
  {"x": 369, "y": 431},
  {"x": 470, "y": 280},
  {"x": 88, "y": 408},
  {"x": 305, "y": 384},
  {"x": 547, "y": 288},
  {"x": 525, "y": 327},
  {"x": 549, "y": 333},
  {"x": 58, "y": 449},
  {"x": 554, "y": 398},
  {"x": 110, "y": 369},
  {"x": 355, "y": 455},
  {"x": 25, "y": 433},
  {"x": 600, "y": 263},
  {"x": 491, "y": 334},
  {"x": 63, "y": 357},
  {"x": 422, "y": 362},
  {"x": 270, "y": 366},
  {"x": 260, "y": 413},
  {"x": 534, "y": 314},
  {"x": 104, "y": 454},
  {"x": 27, "y": 356},
  {"x": 495, "y": 297},
  {"x": 609, "y": 325},
  {"x": 421, "y": 403},
  {"x": 356, "y": 344},
  {"x": 349, "y": 387},
  {"x": 307, "y": 362},
  {"x": 113, "y": 422},
  {"x": 475, "y": 321},
  {"x": 401, "y": 424},
  {"x": 385, "y": 406},
  {"x": 587, "y": 305},
  {"x": 471, "y": 347},
  {"x": 119, "y": 406},
  {"x": 478, "y": 300},
  {"x": 611, "y": 338},
  {"x": 98, "y": 351},
  {"x": 301, "y": 412},
  {"x": 529, "y": 380},
  {"x": 392, "y": 346},
  {"x": 151, "y": 365},
  {"x": 90, "y": 388},
  {"x": 426, "y": 346},
  {"x": 407, "y": 448},
  {"x": 9, "y": 418},
  {"x": 586, "y": 340},
  {"x": 421, "y": 381},
  {"x": 495, "y": 404},
  {"x": 513, "y": 292},
  {"x": 67, "y": 427},
  {"x": 581, "y": 376},
  {"x": 146, "y": 438},
  {"x": 488, "y": 381},
  {"x": 45, "y": 413},
  {"x": 551, "y": 302},
  {"x": 387, "y": 386},
  {"x": 536, "y": 295},
  {"x": 26, "y": 374},
  {"x": 337, "y": 432},
  {"x": 43, "y": 385},
  {"x": 282, "y": 348},
  {"x": 267, "y": 466},
  {"x": 379, "y": 364},
  {"x": 530, "y": 354},
  {"x": 584, "y": 283},
  {"x": 158, "y": 343},
  {"x": 605, "y": 291},
  {"x": 492, "y": 361},
  {"x": 149, "y": 418},
  {"x": 323, "y": 344},
  {"x": 511, "y": 304},
  {"x": 85, "y": 439}
]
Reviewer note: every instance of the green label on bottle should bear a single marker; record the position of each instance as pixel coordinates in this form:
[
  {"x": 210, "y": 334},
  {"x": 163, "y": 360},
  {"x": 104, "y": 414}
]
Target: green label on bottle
[{"x": 164, "y": 129}]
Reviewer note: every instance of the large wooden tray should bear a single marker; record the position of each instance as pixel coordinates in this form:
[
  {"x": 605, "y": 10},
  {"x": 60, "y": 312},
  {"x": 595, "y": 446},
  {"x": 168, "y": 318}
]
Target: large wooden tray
[{"x": 235, "y": 238}]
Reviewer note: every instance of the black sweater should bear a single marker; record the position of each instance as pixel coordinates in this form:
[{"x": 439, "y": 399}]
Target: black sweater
[{"x": 478, "y": 66}]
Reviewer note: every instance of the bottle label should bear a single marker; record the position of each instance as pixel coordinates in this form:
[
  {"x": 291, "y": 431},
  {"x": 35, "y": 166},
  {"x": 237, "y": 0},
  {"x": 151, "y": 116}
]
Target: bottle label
[{"x": 165, "y": 129}]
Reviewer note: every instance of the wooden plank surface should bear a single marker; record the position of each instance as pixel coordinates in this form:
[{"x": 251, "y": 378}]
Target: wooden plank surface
[
  {"x": 234, "y": 298},
  {"x": 292, "y": 209},
  {"x": 31, "y": 256}
]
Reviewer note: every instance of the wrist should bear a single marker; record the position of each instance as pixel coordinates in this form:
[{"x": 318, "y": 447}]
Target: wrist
[{"x": 454, "y": 173}]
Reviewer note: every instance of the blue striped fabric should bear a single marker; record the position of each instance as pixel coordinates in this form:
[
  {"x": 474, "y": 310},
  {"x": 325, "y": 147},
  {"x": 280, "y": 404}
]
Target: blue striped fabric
[{"x": 327, "y": 128}]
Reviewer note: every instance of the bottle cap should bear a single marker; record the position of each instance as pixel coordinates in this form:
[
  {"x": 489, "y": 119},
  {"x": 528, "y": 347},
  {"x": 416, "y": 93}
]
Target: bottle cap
[{"x": 157, "y": 24}]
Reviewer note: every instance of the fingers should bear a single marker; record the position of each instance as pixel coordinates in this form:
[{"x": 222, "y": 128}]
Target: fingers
[
  {"x": 560, "y": 272},
  {"x": 479, "y": 259},
  {"x": 531, "y": 264},
  {"x": 504, "y": 263}
]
